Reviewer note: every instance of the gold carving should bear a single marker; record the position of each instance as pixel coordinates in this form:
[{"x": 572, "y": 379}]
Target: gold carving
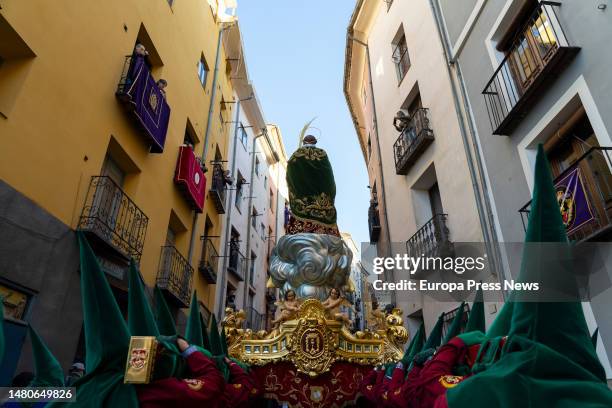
[
  {"x": 153, "y": 100},
  {"x": 140, "y": 360}
]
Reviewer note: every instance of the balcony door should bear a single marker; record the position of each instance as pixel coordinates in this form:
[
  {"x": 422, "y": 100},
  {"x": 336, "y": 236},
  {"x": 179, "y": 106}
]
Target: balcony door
[
  {"x": 435, "y": 201},
  {"x": 109, "y": 195}
]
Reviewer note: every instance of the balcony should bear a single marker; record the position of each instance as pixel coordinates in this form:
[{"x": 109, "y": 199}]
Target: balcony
[
  {"x": 208, "y": 264},
  {"x": 584, "y": 191},
  {"x": 537, "y": 55},
  {"x": 431, "y": 240},
  {"x": 144, "y": 101},
  {"x": 412, "y": 142},
  {"x": 189, "y": 177},
  {"x": 112, "y": 219},
  {"x": 374, "y": 222},
  {"x": 218, "y": 188},
  {"x": 237, "y": 262},
  {"x": 255, "y": 320},
  {"x": 175, "y": 276}
]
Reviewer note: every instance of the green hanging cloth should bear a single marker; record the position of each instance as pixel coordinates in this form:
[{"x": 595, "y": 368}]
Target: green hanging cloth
[
  {"x": 548, "y": 359},
  {"x": 456, "y": 324},
  {"x": 415, "y": 346},
  {"x": 193, "y": 331},
  {"x": 47, "y": 370},
  {"x": 476, "y": 321},
  {"x": 107, "y": 340},
  {"x": 141, "y": 321},
  {"x": 163, "y": 317}
]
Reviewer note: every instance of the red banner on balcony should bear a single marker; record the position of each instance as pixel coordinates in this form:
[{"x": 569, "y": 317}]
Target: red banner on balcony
[
  {"x": 337, "y": 388},
  {"x": 573, "y": 201},
  {"x": 190, "y": 177}
]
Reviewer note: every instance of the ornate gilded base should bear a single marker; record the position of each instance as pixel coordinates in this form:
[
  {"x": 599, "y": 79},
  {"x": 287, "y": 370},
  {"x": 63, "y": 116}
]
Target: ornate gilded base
[{"x": 313, "y": 342}]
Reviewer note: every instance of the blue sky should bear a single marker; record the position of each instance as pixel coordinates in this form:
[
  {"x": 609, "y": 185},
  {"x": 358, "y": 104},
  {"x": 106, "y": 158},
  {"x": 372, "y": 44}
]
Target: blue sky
[{"x": 295, "y": 58}]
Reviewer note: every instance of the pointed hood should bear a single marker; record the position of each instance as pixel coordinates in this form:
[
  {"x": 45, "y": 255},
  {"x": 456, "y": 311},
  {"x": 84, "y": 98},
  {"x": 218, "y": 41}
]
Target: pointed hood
[
  {"x": 205, "y": 340},
  {"x": 47, "y": 370},
  {"x": 193, "y": 332},
  {"x": 141, "y": 321},
  {"x": 106, "y": 340},
  {"x": 163, "y": 316},
  {"x": 558, "y": 325},
  {"x": 224, "y": 342},
  {"x": 215, "y": 340},
  {"x": 456, "y": 324},
  {"x": 476, "y": 321},
  {"x": 415, "y": 345},
  {"x": 435, "y": 336},
  {"x": 501, "y": 324},
  {"x": 548, "y": 351}
]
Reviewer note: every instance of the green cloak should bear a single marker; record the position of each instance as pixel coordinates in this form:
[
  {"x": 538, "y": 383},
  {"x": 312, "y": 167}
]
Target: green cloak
[
  {"x": 107, "y": 341},
  {"x": 456, "y": 324},
  {"x": 141, "y": 321},
  {"x": 312, "y": 189},
  {"x": 163, "y": 317},
  {"x": 415, "y": 346},
  {"x": 47, "y": 370},
  {"x": 548, "y": 359},
  {"x": 476, "y": 321}
]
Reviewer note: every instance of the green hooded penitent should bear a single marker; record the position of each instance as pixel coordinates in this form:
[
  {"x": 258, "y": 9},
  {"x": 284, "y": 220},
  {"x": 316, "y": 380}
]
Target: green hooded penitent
[
  {"x": 476, "y": 321},
  {"x": 193, "y": 331},
  {"x": 107, "y": 340},
  {"x": 47, "y": 370},
  {"x": 594, "y": 337},
  {"x": 163, "y": 317},
  {"x": 415, "y": 345},
  {"x": 456, "y": 324},
  {"x": 205, "y": 339},
  {"x": 141, "y": 321},
  {"x": 549, "y": 359},
  {"x": 216, "y": 348},
  {"x": 435, "y": 336}
]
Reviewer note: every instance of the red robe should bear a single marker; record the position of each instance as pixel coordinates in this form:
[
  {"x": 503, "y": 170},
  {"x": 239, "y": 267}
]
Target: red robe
[
  {"x": 371, "y": 384},
  {"x": 204, "y": 387},
  {"x": 423, "y": 386},
  {"x": 242, "y": 390},
  {"x": 398, "y": 394}
]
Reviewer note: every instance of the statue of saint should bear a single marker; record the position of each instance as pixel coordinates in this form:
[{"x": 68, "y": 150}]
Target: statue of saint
[{"x": 312, "y": 191}]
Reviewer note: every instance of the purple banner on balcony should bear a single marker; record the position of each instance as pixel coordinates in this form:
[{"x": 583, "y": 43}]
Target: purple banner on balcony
[
  {"x": 149, "y": 104},
  {"x": 573, "y": 201}
]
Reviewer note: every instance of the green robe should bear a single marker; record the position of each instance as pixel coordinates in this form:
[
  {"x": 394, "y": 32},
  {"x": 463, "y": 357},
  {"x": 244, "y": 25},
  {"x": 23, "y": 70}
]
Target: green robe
[{"x": 312, "y": 189}]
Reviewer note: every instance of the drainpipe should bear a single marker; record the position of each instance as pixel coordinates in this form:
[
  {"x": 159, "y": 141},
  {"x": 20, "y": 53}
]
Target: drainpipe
[
  {"x": 221, "y": 286},
  {"x": 211, "y": 108},
  {"x": 247, "y": 277},
  {"x": 483, "y": 204},
  {"x": 380, "y": 166}
]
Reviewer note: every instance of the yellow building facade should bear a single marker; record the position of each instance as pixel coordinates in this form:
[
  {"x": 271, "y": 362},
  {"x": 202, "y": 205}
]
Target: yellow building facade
[{"x": 61, "y": 124}]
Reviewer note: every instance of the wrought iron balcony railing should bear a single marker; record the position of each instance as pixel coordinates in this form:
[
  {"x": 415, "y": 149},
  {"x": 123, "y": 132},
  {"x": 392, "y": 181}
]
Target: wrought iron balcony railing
[
  {"x": 431, "y": 240},
  {"x": 111, "y": 217},
  {"x": 175, "y": 276},
  {"x": 237, "y": 262},
  {"x": 208, "y": 264},
  {"x": 412, "y": 141},
  {"x": 374, "y": 223},
  {"x": 255, "y": 320},
  {"x": 537, "y": 55},
  {"x": 145, "y": 101},
  {"x": 584, "y": 192},
  {"x": 218, "y": 188}
]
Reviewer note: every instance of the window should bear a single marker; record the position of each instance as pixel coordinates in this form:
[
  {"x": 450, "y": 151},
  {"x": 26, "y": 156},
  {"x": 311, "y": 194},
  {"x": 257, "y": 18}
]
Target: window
[
  {"x": 389, "y": 3},
  {"x": 244, "y": 137},
  {"x": 369, "y": 147},
  {"x": 263, "y": 231},
  {"x": 252, "y": 269},
  {"x": 254, "y": 218},
  {"x": 271, "y": 200},
  {"x": 189, "y": 138},
  {"x": 202, "y": 71},
  {"x": 265, "y": 181},
  {"x": 257, "y": 165},
  {"x": 400, "y": 55}
]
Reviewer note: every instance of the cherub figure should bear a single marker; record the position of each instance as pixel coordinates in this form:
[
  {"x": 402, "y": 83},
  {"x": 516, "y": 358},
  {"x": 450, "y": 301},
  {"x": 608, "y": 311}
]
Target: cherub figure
[
  {"x": 333, "y": 303},
  {"x": 289, "y": 308},
  {"x": 377, "y": 318}
]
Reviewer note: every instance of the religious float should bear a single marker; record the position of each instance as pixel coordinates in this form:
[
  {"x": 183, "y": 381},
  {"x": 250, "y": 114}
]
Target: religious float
[{"x": 311, "y": 358}]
